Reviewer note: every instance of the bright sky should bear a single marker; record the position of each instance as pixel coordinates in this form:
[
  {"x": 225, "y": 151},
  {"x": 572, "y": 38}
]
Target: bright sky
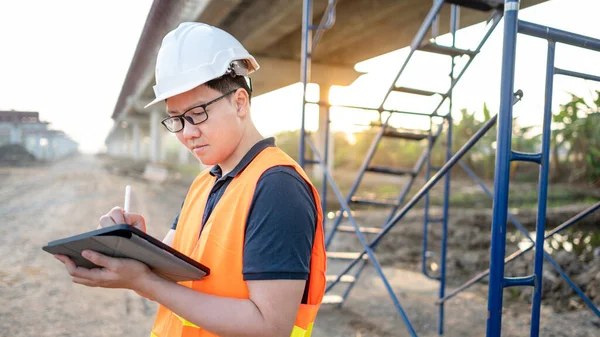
[{"x": 68, "y": 59}]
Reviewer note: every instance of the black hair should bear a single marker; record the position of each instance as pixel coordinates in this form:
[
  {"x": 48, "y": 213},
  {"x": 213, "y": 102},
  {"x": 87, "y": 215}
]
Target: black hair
[{"x": 226, "y": 83}]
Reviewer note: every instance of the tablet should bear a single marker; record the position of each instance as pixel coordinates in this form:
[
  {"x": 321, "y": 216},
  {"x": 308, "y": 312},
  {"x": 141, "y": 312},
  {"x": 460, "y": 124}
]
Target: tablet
[{"x": 124, "y": 241}]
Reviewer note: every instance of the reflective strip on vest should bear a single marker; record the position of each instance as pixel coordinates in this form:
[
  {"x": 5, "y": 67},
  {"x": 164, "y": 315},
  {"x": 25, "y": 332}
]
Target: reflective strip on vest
[
  {"x": 186, "y": 322},
  {"x": 296, "y": 332},
  {"x": 299, "y": 332}
]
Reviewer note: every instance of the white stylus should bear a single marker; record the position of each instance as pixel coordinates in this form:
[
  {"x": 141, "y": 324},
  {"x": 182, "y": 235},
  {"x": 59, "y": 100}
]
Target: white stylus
[{"x": 127, "y": 198}]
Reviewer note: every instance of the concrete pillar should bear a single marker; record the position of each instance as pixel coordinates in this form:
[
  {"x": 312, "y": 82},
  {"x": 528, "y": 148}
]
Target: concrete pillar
[
  {"x": 126, "y": 146},
  {"x": 37, "y": 147},
  {"x": 112, "y": 148},
  {"x": 16, "y": 135},
  {"x": 57, "y": 147},
  {"x": 137, "y": 153},
  {"x": 321, "y": 134},
  {"x": 62, "y": 147},
  {"x": 155, "y": 141},
  {"x": 50, "y": 148}
]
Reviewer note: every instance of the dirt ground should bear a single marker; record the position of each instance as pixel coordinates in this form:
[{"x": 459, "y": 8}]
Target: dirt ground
[{"x": 44, "y": 203}]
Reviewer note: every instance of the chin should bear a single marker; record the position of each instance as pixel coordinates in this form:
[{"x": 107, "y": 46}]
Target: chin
[{"x": 206, "y": 160}]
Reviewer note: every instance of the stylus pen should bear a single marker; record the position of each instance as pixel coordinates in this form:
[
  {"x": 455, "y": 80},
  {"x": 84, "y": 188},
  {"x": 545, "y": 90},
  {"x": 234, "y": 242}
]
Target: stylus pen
[{"x": 127, "y": 198}]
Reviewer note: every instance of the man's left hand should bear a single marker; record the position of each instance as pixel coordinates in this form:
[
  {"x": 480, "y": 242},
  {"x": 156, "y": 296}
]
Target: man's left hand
[{"x": 115, "y": 272}]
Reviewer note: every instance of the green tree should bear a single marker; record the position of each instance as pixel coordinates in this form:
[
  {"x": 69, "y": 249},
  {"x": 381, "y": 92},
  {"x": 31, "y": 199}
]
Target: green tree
[
  {"x": 481, "y": 156},
  {"x": 576, "y": 140}
]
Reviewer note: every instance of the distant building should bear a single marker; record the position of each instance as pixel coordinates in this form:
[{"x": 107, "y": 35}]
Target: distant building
[{"x": 26, "y": 129}]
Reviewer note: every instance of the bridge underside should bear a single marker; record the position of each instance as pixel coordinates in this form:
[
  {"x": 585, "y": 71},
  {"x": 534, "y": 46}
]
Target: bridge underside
[{"x": 271, "y": 31}]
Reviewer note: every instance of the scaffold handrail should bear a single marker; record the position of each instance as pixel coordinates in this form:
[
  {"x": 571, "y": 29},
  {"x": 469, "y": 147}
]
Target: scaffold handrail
[
  {"x": 559, "y": 71},
  {"x": 557, "y": 35}
]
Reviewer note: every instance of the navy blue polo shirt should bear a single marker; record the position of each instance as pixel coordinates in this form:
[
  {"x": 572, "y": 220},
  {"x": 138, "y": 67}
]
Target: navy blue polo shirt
[{"x": 280, "y": 228}]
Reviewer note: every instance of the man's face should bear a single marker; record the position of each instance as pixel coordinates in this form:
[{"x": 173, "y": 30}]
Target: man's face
[{"x": 214, "y": 140}]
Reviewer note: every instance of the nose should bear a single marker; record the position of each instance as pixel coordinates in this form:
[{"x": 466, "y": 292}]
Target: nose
[{"x": 190, "y": 131}]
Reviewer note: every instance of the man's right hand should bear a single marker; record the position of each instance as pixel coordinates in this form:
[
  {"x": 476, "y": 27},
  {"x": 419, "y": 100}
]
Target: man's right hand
[{"x": 117, "y": 216}]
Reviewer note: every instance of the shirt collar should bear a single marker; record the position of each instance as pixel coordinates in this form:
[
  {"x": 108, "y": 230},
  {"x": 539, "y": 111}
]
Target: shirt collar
[{"x": 215, "y": 171}]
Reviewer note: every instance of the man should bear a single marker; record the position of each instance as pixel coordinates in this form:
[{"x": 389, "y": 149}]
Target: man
[{"x": 254, "y": 218}]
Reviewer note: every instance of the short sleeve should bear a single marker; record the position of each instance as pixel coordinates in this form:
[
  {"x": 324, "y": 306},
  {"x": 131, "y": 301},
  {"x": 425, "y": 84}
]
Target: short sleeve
[
  {"x": 174, "y": 225},
  {"x": 280, "y": 227}
]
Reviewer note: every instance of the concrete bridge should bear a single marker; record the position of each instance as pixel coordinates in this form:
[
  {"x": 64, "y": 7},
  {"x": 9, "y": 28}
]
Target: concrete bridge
[{"x": 271, "y": 31}]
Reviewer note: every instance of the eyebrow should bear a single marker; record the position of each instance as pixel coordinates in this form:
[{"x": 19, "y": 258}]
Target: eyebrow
[{"x": 198, "y": 103}]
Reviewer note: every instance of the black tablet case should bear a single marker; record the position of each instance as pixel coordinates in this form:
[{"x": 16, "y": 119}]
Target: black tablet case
[{"x": 125, "y": 241}]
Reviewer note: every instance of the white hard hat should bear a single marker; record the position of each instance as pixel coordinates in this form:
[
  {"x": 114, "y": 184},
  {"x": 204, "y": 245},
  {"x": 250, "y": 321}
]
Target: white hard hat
[{"x": 195, "y": 53}]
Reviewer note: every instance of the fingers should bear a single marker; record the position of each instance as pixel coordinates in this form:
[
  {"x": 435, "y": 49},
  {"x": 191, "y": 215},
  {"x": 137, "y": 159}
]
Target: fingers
[
  {"x": 106, "y": 221},
  {"x": 84, "y": 282},
  {"x": 66, "y": 261},
  {"x": 100, "y": 259},
  {"x": 80, "y": 272},
  {"x": 136, "y": 220},
  {"x": 114, "y": 217},
  {"x": 116, "y": 214}
]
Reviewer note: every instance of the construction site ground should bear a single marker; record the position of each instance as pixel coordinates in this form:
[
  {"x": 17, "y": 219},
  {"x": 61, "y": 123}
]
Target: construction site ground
[{"x": 43, "y": 203}]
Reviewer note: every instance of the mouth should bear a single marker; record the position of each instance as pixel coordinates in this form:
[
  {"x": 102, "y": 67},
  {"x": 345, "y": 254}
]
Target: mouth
[{"x": 198, "y": 147}]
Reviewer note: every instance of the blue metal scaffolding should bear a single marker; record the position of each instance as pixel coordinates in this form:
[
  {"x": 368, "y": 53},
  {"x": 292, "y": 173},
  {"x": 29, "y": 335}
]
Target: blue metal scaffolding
[{"x": 504, "y": 155}]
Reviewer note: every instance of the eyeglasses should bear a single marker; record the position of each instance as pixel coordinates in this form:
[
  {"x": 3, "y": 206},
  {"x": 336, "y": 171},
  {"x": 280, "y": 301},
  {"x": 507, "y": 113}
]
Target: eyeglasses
[{"x": 194, "y": 115}]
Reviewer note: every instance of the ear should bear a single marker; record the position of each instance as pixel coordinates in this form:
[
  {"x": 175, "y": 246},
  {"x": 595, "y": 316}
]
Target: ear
[{"x": 241, "y": 101}]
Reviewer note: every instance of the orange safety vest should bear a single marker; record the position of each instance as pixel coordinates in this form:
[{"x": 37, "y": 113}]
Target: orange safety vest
[{"x": 221, "y": 245}]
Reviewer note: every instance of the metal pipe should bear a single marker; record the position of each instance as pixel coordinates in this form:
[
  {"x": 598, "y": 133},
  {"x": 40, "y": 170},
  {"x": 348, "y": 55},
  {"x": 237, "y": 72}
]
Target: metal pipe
[
  {"x": 445, "y": 223},
  {"x": 540, "y": 227},
  {"x": 305, "y": 73},
  {"x": 327, "y": 22},
  {"x": 502, "y": 172},
  {"x": 425, "y": 247},
  {"x": 435, "y": 25},
  {"x": 324, "y": 181},
  {"x": 559, "y": 71},
  {"x": 558, "y": 35},
  {"x": 519, "y": 281},
  {"x": 455, "y": 16},
  {"x": 522, "y": 156},
  {"x": 454, "y": 22},
  {"x": 422, "y": 114},
  {"x": 429, "y": 19}
]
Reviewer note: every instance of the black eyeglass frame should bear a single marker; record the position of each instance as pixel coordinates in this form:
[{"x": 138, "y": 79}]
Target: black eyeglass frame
[{"x": 189, "y": 119}]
